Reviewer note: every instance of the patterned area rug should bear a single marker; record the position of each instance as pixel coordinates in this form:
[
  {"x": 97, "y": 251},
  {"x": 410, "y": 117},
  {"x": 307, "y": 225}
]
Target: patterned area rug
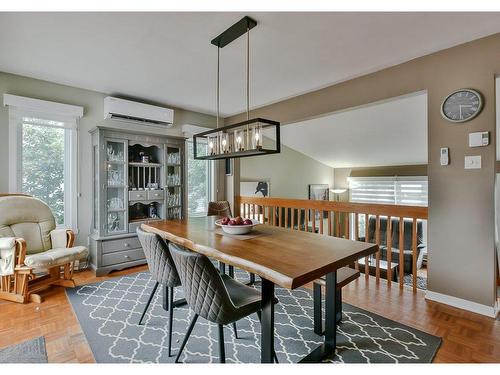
[
  {"x": 109, "y": 312},
  {"x": 30, "y": 351},
  {"x": 421, "y": 282}
]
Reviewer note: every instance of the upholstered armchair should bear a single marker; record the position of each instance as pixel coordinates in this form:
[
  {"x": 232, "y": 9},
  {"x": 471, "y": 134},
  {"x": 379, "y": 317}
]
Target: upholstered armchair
[{"x": 33, "y": 253}]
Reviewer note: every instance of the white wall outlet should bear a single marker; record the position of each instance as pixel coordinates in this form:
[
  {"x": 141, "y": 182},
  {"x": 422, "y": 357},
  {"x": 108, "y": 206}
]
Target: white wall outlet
[
  {"x": 479, "y": 139},
  {"x": 473, "y": 162},
  {"x": 445, "y": 156}
]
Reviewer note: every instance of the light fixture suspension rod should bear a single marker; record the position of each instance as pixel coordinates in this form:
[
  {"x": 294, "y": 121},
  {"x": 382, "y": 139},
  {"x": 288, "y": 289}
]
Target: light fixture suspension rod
[
  {"x": 248, "y": 73},
  {"x": 218, "y": 85}
]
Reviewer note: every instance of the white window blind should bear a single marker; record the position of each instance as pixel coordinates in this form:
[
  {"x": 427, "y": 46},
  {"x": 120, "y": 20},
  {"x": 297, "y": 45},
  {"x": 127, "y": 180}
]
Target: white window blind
[{"x": 411, "y": 191}]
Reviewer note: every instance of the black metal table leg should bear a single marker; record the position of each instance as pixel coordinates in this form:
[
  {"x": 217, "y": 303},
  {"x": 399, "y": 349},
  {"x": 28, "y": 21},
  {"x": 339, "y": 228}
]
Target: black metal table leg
[
  {"x": 327, "y": 349},
  {"x": 165, "y": 298},
  {"x": 267, "y": 333}
]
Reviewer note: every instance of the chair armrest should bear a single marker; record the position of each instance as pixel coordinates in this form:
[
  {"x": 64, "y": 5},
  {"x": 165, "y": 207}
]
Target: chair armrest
[
  {"x": 15, "y": 251},
  {"x": 62, "y": 238}
]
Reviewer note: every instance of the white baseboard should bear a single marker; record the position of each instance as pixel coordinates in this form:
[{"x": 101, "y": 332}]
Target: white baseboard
[{"x": 490, "y": 311}]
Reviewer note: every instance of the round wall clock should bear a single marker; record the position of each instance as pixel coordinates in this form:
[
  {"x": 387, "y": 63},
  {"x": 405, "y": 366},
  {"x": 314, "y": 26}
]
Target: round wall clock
[{"x": 462, "y": 105}]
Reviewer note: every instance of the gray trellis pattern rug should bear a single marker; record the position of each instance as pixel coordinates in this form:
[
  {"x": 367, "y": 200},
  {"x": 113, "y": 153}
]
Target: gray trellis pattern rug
[
  {"x": 30, "y": 351},
  {"x": 109, "y": 312}
]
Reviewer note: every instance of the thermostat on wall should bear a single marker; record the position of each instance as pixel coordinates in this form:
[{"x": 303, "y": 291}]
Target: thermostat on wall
[{"x": 479, "y": 139}]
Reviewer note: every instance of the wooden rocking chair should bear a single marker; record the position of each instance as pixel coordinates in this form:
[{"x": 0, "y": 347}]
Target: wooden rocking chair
[{"x": 33, "y": 253}]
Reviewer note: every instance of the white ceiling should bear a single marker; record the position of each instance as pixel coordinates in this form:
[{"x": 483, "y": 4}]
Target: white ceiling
[
  {"x": 392, "y": 132},
  {"x": 168, "y": 58}
]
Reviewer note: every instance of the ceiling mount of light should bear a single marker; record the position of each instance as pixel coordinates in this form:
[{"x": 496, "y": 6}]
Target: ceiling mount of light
[{"x": 245, "y": 138}]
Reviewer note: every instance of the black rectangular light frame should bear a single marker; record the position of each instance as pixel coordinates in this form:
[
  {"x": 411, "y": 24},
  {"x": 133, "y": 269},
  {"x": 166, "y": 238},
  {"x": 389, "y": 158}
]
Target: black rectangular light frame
[
  {"x": 234, "y": 32},
  {"x": 240, "y": 154}
]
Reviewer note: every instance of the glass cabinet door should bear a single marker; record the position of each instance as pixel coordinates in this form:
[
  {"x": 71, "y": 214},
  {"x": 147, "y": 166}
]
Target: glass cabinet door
[
  {"x": 116, "y": 187},
  {"x": 174, "y": 182}
]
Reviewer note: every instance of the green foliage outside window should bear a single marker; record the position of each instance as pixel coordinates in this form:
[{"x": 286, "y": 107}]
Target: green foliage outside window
[
  {"x": 197, "y": 184},
  {"x": 43, "y": 166}
]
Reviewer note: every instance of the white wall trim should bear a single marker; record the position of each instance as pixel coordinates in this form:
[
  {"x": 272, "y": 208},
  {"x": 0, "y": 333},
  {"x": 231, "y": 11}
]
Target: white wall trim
[
  {"x": 43, "y": 106},
  {"x": 490, "y": 311}
]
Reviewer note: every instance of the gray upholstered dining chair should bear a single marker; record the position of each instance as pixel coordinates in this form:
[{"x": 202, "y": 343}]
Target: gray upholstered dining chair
[
  {"x": 216, "y": 297},
  {"x": 163, "y": 271}
]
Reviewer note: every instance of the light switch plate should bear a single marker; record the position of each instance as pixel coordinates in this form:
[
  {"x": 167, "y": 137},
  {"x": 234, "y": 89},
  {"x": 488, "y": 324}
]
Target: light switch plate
[{"x": 473, "y": 162}]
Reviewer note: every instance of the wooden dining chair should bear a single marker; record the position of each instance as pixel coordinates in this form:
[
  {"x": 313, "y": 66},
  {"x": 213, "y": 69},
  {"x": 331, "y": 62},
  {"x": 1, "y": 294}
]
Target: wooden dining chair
[
  {"x": 216, "y": 297},
  {"x": 344, "y": 276}
]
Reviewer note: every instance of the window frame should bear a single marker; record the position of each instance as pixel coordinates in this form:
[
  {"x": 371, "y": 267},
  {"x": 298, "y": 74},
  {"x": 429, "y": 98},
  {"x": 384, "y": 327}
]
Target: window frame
[{"x": 20, "y": 107}]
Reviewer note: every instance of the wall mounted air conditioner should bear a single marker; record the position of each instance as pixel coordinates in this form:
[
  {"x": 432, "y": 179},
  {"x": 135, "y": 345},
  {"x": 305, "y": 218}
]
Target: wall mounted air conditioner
[{"x": 146, "y": 114}]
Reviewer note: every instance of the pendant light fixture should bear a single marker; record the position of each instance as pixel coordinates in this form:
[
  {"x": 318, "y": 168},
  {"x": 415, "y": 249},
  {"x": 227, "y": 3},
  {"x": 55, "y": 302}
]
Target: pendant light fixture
[{"x": 251, "y": 137}]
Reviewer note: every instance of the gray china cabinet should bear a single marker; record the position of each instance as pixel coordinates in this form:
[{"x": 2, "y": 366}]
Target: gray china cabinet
[{"x": 137, "y": 177}]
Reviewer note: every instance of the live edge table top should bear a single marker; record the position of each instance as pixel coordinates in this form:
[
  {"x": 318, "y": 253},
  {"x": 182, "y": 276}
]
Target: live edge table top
[{"x": 285, "y": 257}]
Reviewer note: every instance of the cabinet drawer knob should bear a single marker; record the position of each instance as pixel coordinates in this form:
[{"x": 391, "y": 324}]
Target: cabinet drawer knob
[
  {"x": 127, "y": 256},
  {"x": 126, "y": 244},
  {"x": 157, "y": 195}
]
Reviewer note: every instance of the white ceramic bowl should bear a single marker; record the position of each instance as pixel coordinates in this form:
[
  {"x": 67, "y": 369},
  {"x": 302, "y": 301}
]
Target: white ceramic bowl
[{"x": 237, "y": 229}]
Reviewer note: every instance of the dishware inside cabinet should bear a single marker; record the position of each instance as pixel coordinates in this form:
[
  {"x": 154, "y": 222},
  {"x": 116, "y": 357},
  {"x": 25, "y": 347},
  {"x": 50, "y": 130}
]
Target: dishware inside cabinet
[{"x": 174, "y": 182}]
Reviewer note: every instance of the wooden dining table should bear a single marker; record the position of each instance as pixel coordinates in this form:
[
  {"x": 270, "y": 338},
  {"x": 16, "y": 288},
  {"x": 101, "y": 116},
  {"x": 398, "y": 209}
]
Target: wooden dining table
[{"x": 280, "y": 256}]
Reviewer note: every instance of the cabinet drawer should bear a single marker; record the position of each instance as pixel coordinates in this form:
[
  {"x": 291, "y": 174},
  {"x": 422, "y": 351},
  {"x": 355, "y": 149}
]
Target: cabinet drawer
[
  {"x": 155, "y": 195},
  {"x": 122, "y": 257},
  {"x": 137, "y": 195},
  {"x": 120, "y": 244}
]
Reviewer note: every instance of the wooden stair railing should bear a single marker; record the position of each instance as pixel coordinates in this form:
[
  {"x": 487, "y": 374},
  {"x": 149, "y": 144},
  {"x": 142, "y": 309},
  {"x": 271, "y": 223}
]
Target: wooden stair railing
[{"x": 334, "y": 219}]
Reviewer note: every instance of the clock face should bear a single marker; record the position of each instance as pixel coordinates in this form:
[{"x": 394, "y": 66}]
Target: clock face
[{"x": 461, "y": 105}]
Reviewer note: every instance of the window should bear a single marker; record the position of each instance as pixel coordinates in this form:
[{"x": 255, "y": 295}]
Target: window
[
  {"x": 200, "y": 177},
  {"x": 410, "y": 191},
  {"x": 44, "y": 155}
]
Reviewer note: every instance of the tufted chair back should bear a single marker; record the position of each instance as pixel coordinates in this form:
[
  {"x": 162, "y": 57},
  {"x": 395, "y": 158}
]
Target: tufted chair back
[
  {"x": 160, "y": 262},
  {"x": 203, "y": 287},
  {"x": 29, "y": 218}
]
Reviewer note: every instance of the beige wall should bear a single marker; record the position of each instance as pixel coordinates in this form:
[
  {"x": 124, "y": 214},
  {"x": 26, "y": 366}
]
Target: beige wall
[
  {"x": 93, "y": 116},
  {"x": 461, "y": 205},
  {"x": 289, "y": 172}
]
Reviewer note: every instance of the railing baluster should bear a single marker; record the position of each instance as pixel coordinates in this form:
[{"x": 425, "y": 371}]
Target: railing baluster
[
  {"x": 286, "y": 218},
  {"x": 322, "y": 215},
  {"x": 377, "y": 254},
  {"x": 292, "y": 227},
  {"x": 356, "y": 236},
  {"x": 401, "y": 251},
  {"x": 389, "y": 250},
  {"x": 329, "y": 223},
  {"x": 313, "y": 221},
  {"x": 346, "y": 226},
  {"x": 414, "y": 258},
  {"x": 367, "y": 267},
  {"x": 337, "y": 223},
  {"x": 280, "y": 214}
]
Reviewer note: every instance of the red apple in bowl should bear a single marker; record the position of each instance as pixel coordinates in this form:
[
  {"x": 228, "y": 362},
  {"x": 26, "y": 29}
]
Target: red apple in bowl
[
  {"x": 225, "y": 220},
  {"x": 232, "y": 222},
  {"x": 247, "y": 222}
]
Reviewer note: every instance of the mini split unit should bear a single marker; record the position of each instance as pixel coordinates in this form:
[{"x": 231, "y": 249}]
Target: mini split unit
[{"x": 126, "y": 110}]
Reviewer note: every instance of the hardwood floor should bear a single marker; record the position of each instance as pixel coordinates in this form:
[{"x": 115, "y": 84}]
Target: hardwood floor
[{"x": 467, "y": 337}]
